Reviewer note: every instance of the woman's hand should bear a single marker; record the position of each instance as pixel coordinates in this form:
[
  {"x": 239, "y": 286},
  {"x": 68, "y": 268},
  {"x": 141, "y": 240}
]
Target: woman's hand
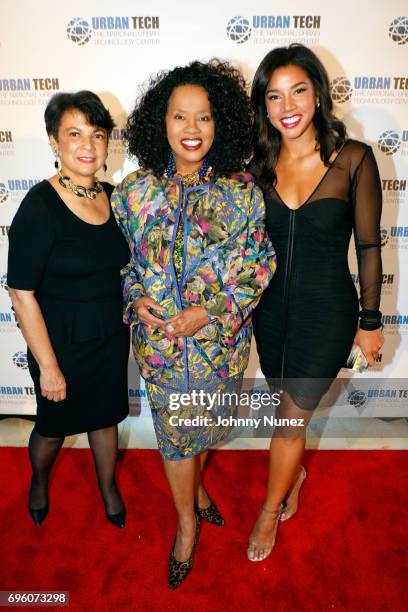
[
  {"x": 187, "y": 322},
  {"x": 370, "y": 343},
  {"x": 52, "y": 383},
  {"x": 32, "y": 324},
  {"x": 141, "y": 308}
]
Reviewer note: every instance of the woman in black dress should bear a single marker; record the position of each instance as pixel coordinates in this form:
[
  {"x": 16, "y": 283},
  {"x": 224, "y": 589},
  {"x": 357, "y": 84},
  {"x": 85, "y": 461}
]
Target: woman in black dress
[
  {"x": 319, "y": 187},
  {"x": 65, "y": 257}
]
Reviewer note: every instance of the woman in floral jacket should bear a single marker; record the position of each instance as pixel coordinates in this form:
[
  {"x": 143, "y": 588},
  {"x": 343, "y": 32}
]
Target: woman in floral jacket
[{"x": 200, "y": 261}]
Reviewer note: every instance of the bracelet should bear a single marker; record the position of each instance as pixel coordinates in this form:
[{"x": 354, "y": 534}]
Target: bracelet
[{"x": 370, "y": 319}]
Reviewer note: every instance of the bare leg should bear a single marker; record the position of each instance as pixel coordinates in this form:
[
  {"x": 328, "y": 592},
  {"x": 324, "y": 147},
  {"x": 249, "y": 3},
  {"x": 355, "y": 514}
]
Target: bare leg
[
  {"x": 201, "y": 495},
  {"x": 286, "y": 452},
  {"x": 104, "y": 447},
  {"x": 43, "y": 452},
  {"x": 181, "y": 476},
  {"x": 292, "y": 498}
]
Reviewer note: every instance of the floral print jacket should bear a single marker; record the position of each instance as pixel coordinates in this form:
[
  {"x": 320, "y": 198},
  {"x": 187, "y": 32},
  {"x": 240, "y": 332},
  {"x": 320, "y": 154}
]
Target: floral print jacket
[{"x": 228, "y": 262}]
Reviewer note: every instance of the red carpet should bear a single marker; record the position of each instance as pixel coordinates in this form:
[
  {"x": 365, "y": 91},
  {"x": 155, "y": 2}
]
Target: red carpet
[{"x": 346, "y": 549}]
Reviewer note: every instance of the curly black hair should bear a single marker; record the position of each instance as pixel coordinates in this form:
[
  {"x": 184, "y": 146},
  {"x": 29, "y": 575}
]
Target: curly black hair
[
  {"x": 330, "y": 131},
  {"x": 230, "y": 105}
]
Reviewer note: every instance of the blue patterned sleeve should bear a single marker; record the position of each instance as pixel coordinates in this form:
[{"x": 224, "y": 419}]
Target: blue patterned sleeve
[
  {"x": 247, "y": 270},
  {"x": 132, "y": 285}
]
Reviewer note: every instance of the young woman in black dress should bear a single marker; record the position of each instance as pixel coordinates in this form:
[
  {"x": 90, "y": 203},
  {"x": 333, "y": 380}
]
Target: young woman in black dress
[
  {"x": 65, "y": 257},
  {"x": 319, "y": 188}
]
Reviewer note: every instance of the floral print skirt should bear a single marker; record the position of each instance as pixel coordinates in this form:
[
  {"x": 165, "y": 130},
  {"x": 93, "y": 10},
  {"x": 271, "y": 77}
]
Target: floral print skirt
[{"x": 189, "y": 423}]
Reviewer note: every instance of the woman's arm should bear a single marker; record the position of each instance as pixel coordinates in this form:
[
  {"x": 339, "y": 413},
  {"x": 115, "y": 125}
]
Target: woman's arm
[
  {"x": 31, "y": 241},
  {"x": 367, "y": 206},
  {"x": 35, "y": 333},
  {"x": 243, "y": 272},
  {"x": 132, "y": 285},
  {"x": 247, "y": 271}
]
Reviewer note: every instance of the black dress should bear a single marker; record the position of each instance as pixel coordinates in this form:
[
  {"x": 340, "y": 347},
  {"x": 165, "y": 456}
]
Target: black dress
[
  {"x": 74, "y": 268},
  {"x": 307, "y": 318}
]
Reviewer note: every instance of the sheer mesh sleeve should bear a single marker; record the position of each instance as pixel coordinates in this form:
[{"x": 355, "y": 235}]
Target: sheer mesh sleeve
[{"x": 367, "y": 205}]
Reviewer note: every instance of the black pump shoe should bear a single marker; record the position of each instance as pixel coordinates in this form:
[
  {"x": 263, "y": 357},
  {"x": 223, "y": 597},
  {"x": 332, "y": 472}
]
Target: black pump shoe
[
  {"x": 118, "y": 519},
  {"x": 39, "y": 514},
  {"x": 179, "y": 570},
  {"x": 210, "y": 514}
]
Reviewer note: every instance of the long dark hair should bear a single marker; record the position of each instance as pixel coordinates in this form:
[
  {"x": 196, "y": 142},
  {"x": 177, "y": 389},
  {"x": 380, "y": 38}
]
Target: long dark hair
[{"x": 330, "y": 131}]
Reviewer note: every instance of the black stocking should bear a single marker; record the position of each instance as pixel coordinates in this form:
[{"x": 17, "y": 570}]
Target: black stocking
[
  {"x": 43, "y": 453},
  {"x": 104, "y": 447}
]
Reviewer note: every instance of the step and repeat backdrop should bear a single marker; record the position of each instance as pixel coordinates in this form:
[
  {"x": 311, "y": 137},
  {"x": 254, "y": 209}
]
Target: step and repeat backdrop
[{"x": 113, "y": 48}]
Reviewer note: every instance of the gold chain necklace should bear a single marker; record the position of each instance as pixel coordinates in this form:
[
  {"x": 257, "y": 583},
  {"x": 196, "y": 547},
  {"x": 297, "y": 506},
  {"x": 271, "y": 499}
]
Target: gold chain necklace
[
  {"x": 80, "y": 190},
  {"x": 193, "y": 179}
]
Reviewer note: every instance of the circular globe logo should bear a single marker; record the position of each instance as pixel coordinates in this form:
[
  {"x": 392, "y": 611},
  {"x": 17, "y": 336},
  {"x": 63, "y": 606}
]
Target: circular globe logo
[
  {"x": 341, "y": 89},
  {"x": 239, "y": 30},
  {"x": 389, "y": 142},
  {"x": 79, "y": 31},
  {"x": 3, "y": 193},
  {"x": 3, "y": 282},
  {"x": 398, "y": 30},
  {"x": 357, "y": 399},
  {"x": 384, "y": 236},
  {"x": 20, "y": 360}
]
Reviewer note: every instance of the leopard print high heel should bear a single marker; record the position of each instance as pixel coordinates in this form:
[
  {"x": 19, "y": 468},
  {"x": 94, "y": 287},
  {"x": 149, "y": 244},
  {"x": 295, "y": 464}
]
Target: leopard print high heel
[
  {"x": 179, "y": 570},
  {"x": 210, "y": 514}
]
